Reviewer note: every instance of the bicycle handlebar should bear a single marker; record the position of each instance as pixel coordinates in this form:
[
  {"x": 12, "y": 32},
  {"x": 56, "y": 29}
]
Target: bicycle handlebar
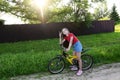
[{"x": 64, "y": 49}]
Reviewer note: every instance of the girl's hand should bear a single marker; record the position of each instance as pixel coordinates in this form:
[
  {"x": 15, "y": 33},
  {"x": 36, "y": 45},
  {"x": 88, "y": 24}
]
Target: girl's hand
[
  {"x": 60, "y": 34},
  {"x": 67, "y": 49}
]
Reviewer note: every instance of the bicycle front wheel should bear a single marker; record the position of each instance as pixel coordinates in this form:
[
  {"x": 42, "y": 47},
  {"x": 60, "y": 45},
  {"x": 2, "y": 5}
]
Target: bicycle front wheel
[
  {"x": 87, "y": 62},
  {"x": 56, "y": 65}
]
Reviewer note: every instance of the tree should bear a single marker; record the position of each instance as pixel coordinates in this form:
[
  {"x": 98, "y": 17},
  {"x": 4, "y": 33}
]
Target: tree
[
  {"x": 24, "y": 9},
  {"x": 101, "y": 12},
  {"x": 74, "y": 11},
  {"x": 80, "y": 10},
  {"x": 114, "y": 15}
]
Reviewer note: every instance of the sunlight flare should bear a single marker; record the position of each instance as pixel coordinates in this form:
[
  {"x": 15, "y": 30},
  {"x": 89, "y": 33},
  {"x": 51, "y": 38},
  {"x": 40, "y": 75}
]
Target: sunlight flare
[{"x": 40, "y": 4}]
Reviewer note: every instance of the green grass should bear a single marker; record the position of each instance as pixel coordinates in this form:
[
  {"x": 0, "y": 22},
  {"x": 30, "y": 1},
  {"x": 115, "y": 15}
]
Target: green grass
[{"x": 32, "y": 56}]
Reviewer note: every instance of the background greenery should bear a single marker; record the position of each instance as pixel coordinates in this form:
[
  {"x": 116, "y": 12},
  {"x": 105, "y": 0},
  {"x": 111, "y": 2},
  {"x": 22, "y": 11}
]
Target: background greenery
[
  {"x": 74, "y": 11},
  {"x": 32, "y": 56}
]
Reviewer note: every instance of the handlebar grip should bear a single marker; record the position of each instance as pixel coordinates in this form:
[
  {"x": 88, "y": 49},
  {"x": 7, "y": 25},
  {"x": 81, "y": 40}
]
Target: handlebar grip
[{"x": 61, "y": 44}]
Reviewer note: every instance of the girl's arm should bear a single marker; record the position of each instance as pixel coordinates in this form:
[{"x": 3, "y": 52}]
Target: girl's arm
[
  {"x": 70, "y": 44},
  {"x": 60, "y": 38},
  {"x": 61, "y": 41}
]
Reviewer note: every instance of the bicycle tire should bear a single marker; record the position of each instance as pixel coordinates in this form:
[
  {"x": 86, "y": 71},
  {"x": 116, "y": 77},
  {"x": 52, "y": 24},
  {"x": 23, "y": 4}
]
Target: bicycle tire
[
  {"x": 57, "y": 64},
  {"x": 87, "y": 61}
]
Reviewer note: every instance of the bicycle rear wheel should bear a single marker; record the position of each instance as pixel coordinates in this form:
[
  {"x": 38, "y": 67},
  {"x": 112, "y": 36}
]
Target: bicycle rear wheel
[
  {"x": 56, "y": 65},
  {"x": 87, "y": 61}
]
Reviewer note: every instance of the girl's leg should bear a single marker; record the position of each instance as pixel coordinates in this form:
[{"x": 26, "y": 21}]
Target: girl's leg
[
  {"x": 79, "y": 62},
  {"x": 74, "y": 53},
  {"x": 73, "y": 67}
]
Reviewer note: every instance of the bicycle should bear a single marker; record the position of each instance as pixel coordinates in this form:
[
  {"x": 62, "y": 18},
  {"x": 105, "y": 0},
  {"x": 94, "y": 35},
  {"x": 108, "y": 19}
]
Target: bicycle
[{"x": 57, "y": 64}]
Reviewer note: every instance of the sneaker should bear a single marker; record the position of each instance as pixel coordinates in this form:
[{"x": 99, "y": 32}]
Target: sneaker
[
  {"x": 79, "y": 73},
  {"x": 74, "y": 68}
]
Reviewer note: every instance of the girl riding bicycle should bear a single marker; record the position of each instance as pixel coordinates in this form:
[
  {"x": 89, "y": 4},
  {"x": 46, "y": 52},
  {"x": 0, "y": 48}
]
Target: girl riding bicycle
[{"x": 77, "y": 47}]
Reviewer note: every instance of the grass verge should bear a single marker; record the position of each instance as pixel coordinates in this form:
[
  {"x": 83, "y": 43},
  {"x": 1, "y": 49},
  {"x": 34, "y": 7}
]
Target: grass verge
[{"x": 33, "y": 56}]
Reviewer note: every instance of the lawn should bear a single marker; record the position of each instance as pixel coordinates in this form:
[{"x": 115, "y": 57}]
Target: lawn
[{"x": 32, "y": 56}]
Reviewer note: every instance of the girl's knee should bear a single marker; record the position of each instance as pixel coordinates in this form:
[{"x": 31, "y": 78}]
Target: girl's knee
[{"x": 79, "y": 59}]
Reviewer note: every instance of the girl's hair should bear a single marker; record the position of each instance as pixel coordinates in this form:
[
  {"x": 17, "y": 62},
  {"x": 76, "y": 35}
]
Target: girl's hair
[
  {"x": 65, "y": 29},
  {"x": 62, "y": 32},
  {"x": 66, "y": 43}
]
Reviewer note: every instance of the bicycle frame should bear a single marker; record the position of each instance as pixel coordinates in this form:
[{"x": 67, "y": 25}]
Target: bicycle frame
[{"x": 70, "y": 58}]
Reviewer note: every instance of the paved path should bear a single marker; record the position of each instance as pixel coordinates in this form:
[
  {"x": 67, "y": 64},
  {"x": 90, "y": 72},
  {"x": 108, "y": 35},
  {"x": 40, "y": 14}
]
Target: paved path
[{"x": 105, "y": 72}]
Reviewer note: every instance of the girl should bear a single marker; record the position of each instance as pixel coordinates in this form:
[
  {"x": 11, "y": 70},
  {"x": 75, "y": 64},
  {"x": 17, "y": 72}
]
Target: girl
[{"x": 77, "y": 47}]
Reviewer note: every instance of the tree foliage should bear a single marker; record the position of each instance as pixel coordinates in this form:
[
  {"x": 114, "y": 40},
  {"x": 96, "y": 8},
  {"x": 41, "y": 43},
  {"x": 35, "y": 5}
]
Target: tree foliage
[
  {"x": 114, "y": 15},
  {"x": 27, "y": 10},
  {"x": 97, "y": 0},
  {"x": 74, "y": 11},
  {"x": 101, "y": 12}
]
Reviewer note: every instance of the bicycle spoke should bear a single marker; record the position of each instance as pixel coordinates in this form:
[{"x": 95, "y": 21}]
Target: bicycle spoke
[{"x": 56, "y": 65}]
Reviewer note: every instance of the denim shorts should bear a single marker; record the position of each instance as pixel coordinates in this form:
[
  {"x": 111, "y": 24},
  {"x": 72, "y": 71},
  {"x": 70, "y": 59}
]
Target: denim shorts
[{"x": 77, "y": 47}]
